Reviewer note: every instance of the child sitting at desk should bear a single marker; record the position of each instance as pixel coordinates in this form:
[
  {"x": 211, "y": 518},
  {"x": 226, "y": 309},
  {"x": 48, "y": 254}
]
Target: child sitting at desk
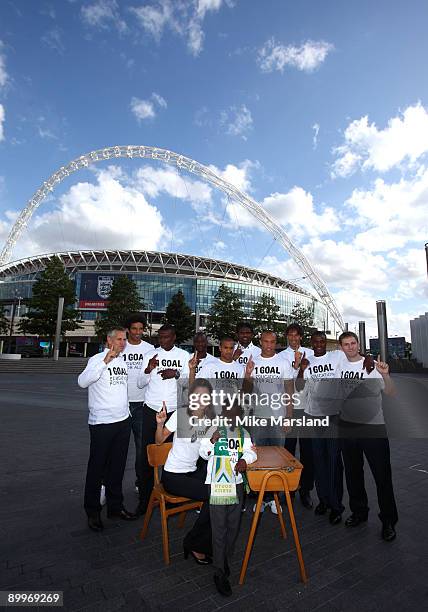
[{"x": 228, "y": 450}]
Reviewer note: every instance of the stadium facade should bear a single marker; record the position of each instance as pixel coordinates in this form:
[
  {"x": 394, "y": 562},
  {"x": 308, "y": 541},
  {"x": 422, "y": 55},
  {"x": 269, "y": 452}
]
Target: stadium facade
[{"x": 158, "y": 277}]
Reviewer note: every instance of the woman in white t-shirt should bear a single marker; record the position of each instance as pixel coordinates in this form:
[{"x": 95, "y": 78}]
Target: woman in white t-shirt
[{"x": 184, "y": 472}]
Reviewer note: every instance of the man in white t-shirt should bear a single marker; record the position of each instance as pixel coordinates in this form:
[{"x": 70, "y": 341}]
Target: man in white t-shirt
[
  {"x": 316, "y": 372},
  {"x": 106, "y": 378},
  {"x": 225, "y": 374},
  {"x": 133, "y": 356},
  {"x": 244, "y": 348},
  {"x": 295, "y": 353},
  {"x": 269, "y": 378},
  {"x": 362, "y": 416},
  {"x": 200, "y": 349},
  {"x": 161, "y": 370}
]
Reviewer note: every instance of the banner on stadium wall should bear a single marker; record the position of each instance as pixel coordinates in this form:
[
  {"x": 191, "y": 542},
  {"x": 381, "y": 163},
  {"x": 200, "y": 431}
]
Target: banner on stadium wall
[{"x": 94, "y": 290}]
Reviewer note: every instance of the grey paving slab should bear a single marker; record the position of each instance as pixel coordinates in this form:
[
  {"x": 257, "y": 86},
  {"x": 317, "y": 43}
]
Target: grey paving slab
[{"x": 45, "y": 544}]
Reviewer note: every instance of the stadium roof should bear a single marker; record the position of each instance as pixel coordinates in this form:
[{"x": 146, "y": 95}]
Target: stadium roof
[{"x": 149, "y": 262}]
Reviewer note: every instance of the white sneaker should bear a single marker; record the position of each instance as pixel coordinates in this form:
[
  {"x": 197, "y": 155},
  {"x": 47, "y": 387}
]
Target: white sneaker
[
  {"x": 262, "y": 507},
  {"x": 272, "y": 507},
  {"x": 103, "y": 495},
  {"x": 137, "y": 490}
]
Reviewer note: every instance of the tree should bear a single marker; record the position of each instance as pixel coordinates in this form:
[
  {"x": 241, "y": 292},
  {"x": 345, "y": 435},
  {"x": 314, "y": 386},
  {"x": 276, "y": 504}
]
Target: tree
[
  {"x": 304, "y": 316},
  {"x": 179, "y": 314},
  {"x": 267, "y": 315},
  {"x": 123, "y": 300},
  {"x": 226, "y": 311},
  {"x": 52, "y": 284},
  {"x": 4, "y": 322}
]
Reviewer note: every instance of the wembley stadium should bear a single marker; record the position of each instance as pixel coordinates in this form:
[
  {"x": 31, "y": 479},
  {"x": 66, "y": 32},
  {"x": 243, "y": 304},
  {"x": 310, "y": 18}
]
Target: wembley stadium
[{"x": 158, "y": 277}]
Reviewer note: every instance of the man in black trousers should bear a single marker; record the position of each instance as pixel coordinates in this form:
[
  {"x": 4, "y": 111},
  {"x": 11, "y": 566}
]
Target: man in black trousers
[{"x": 106, "y": 378}]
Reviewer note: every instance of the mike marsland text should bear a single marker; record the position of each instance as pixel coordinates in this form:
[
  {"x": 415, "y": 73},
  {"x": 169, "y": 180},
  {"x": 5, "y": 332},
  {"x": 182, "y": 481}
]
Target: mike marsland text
[{"x": 256, "y": 421}]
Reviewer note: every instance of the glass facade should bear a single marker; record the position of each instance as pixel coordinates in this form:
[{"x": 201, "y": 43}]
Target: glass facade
[{"x": 157, "y": 290}]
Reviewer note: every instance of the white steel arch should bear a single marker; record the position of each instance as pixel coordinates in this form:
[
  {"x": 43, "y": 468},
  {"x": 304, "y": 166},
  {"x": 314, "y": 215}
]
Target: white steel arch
[{"x": 185, "y": 163}]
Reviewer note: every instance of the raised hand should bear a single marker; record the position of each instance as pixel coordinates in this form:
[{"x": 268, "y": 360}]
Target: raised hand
[
  {"x": 237, "y": 353},
  {"x": 162, "y": 415},
  {"x": 304, "y": 362},
  {"x": 110, "y": 355},
  {"x": 382, "y": 367},
  {"x": 215, "y": 437},
  {"x": 249, "y": 367},
  {"x": 153, "y": 363},
  {"x": 193, "y": 362},
  {"x": 298, "y": 356},
  {"x": 368, "y": 364}
]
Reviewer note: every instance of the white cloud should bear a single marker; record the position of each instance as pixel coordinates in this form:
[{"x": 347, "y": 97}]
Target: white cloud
[
  {"x": 147, "y": 109},
  {"x": 309, "y": 56},
  {"x": 53, "y": 40},
  {"x": 4, "y": 77},
  {"x": 403, "y": 141},
  {"x": 316, "y": 129},
  {"x": 390, "y": 215},
  {"x": 184, "y": 18},
  {"x": 237, "y": 121},
  {"x": 102, "y": 14},
  {"x": 154, "y": 181},
  {"x": 107, "y": 214},
  {"x": 2, "y": 120}
]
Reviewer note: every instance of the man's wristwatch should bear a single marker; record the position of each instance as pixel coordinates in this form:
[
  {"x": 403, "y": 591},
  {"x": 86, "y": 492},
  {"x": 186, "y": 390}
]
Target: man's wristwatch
[{"x": 177, "y": 374}]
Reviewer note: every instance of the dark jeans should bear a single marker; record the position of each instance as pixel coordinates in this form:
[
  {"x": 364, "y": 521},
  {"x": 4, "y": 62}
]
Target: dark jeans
[
  {"x": 136, "y": 410},
  {"x": 376, "y": 450},
  {"x": 192, "y": 485},
  {"x": 107, "y": 461},
  {"x": 328, "y": 468},
  {"x": 306, "y": 459}
]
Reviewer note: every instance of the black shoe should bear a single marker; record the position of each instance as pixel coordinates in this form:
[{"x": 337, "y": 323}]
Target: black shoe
[
  {"x": 335, "y": 517},
  {"x": 223, "y": 585},
  {"x": 141, "y": 509},
  {"x": 205, "y": 561},
  {"x": 388, "y": 532},
  {"x": 354, "y": 520},
  {"x": 123, "y": 514},
  {"x": 321, "y": 509},
  {"x": 95, "y": 523},
  {"x": 305, "y": 498}
]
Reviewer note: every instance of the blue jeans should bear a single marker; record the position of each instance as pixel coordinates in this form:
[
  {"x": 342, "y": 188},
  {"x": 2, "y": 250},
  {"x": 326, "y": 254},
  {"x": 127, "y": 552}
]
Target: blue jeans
[{"x": 136, "y": 410}]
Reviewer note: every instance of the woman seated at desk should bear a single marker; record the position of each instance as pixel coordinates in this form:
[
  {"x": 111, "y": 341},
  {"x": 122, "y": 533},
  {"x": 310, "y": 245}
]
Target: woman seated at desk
[{"x": 184, "y": 472}]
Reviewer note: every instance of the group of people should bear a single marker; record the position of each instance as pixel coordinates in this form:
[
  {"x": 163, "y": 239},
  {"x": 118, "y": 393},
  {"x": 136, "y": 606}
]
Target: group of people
[{"x": 133, "y": 386}]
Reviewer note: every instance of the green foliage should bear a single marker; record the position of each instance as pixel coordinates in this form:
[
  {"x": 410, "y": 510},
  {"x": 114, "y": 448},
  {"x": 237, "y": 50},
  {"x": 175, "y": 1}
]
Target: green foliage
[
  {"x": 304, "y": 315},
  {"x": 225, "y": 313},
  {"x": 123, "y": 300},
  {"x": 52, "y": 284},
  {"x": 179, "y": 314},
  {"x": 4, "y": 322},
  {"x": 267, "y": 315}
]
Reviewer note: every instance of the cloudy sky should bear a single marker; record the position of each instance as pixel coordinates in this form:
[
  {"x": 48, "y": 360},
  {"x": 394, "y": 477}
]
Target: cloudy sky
[{"x": 318, "y": 110}]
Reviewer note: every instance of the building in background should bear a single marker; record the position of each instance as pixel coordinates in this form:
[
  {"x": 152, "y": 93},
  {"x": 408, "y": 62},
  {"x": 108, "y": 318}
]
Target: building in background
[
  {"x": 158, "y": 277},
  {"x": 397, "y": 348},
  {"x": 419, "y": 335}
]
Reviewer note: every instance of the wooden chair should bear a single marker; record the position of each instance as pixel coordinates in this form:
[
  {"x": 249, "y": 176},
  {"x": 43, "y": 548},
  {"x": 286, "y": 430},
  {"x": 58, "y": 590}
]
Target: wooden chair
[{"x": 157, "y": 455}]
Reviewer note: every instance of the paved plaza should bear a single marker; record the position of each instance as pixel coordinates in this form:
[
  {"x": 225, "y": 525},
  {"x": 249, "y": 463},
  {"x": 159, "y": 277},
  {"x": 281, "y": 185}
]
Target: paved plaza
[{"x": 45, "y": 543}]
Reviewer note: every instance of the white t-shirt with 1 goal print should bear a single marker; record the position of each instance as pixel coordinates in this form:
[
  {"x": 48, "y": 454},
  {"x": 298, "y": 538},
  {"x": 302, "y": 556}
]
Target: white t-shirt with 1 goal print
[
  {"x": 322, "y": 399},
  {"x": 133, "y": 356},
  {"x": 157, "y": 389},
  {"x": 202, "y": 362},
  {"x": 250, "y": 351},
  {"x": 223, "y": 376},
  {"x": 362, "y": 392},
  {"x": 270, "y": 374}
]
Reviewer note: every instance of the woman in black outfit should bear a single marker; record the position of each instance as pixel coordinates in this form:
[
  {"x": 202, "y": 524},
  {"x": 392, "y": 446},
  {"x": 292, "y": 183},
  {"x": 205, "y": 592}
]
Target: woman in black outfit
[{"x": 184, "y": 472}]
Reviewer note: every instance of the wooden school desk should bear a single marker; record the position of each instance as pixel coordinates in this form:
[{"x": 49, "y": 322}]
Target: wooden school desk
[{"x": 275, "y": 470}]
